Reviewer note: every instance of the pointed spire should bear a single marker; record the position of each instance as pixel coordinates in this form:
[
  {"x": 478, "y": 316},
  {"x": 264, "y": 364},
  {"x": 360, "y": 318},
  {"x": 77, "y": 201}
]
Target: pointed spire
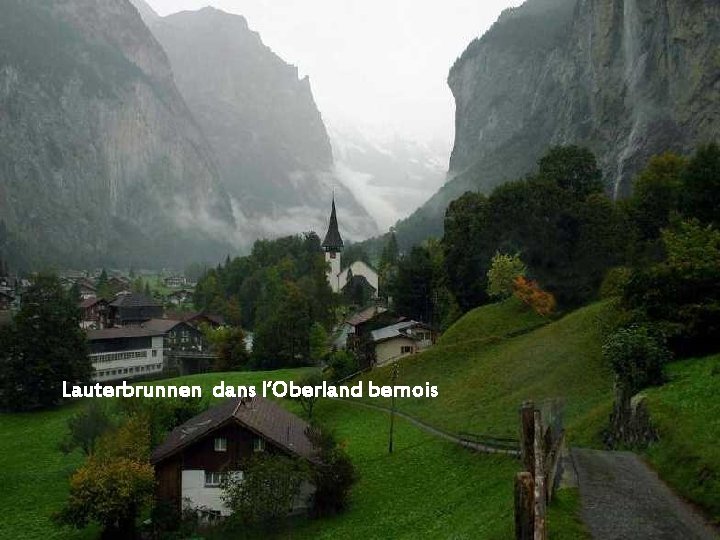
[{"x": 333, "y": 240}]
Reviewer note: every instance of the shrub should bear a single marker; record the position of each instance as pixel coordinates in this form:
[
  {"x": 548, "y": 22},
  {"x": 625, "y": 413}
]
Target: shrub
[
  {"x": 614, "y": 282},
  {"x": 530, "y": 293},
  {"x": 333, "y": 477},
  {"x": 637, "y": 356},
  {"x": 501, "y": 276}
]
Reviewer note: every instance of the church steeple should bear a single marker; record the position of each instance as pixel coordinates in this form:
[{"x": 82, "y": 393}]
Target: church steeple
[{"x": 333, "y": 241}]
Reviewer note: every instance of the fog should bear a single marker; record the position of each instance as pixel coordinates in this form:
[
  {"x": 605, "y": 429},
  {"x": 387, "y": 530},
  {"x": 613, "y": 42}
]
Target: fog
[{"x": 377, "y": 63}]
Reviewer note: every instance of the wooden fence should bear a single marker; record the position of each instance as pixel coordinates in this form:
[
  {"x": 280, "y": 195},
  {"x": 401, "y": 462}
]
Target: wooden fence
[{"x": 542, "y": 438}]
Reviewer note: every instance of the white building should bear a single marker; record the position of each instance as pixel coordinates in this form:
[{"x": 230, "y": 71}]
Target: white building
[
  {"x": 401, "y": 339},
  {"x": 124, "y": 353}
]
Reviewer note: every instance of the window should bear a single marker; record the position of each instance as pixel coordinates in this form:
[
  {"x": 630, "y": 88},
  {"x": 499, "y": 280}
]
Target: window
[
  {"x": 213, "y": 479},
  {"x": 406, "y": 349},
  {"x": 259, "y": 445},
  {"x": 221, "y": 444},
  {"x": 154, "y": 352}
]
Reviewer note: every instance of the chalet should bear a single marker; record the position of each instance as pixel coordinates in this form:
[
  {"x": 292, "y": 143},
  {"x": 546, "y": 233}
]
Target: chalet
[
  {"x": 177, "y": 298},
  {"x": 175, "y": 282},
  {"x": 133, "y": 309},
  {"x": 197, "y": 318},
  {"x": 191, "y": 462},
  {"x": 146, "y": 350},
  {"x": 354, "y": 325},
  {"x": 87, "y": 288},
  {"x": 118, "y": 283},
  {"x": 401, "y": 339},
  {"x": 94, "y": 313}
]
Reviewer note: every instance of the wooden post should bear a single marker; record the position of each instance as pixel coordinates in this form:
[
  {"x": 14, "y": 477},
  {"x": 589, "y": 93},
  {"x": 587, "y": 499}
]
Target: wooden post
[
  {"x": 540, "y": 488},
  {"x": 527, "y": 436},
  {"x": 524, "y": 506}
]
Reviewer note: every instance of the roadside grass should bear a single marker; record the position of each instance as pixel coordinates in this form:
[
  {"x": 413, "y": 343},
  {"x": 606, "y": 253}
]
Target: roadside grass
[
  {"x": 483, "y": 381},
  {"x": 563, "y": 519},
  {"x": 34, "y": 473},
  {"x": 686, "y": 412}
]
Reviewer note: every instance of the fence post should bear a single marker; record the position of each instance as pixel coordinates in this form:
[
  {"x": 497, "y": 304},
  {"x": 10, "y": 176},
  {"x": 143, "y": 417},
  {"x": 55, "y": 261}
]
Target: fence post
[
  {"x": 527, "y": 436},
  {"x": 524, "y": 506},
  {"x": 540, "y": 488}
]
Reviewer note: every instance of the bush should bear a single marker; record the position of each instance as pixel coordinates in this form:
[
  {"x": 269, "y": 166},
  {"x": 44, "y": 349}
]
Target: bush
[
  {"x": 615, "y": 282},
  {"x": 530, "y": 293},
  {"x": 333, "y": 477},
  {"x": 504, "y": 269},
  {"x": 637, "y": 356},
  {"x": 341, "y": 364},
  {"x": 265, "y": 492}
]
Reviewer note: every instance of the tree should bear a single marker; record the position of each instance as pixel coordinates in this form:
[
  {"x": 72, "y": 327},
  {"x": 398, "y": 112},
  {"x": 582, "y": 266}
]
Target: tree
[
  {"x": 308, "y": 402},
  {"x": 43, "y": 347},
  {"x": 114, "y": 485},
  {"x": 637, "y": 357},
  {"x": 264, "y": 494},
  {"x": 413, "y": 287},
  {"x": 530, "y": 293},
  {"x": 388, "y": 264},
  {"x": 103, "y": 287},
  {"x": 502, "y": 274},
  {"x": 86, "y": 427},
  {"x": 318, "y": 343},
  {"x": 334, "y": 477},
  {"x": 228, "y": 344},
  {"x": 573, "y": 168},
  {"x": 468, "y": 249},
  {"x": 701, "y": 191}
]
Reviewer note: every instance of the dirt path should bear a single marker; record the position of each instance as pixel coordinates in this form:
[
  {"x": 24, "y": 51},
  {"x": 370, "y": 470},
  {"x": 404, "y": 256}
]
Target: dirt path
[
  {"x": 622, "y": 498},
  {"x": 433, "y": 430}
]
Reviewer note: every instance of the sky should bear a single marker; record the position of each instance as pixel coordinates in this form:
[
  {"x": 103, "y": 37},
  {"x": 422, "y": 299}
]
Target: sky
[{"x": 373, "y": 64}]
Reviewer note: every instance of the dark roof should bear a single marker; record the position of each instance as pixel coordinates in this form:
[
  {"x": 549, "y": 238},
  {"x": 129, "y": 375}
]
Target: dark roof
[
  {"x": 134, "y": 300},
  {"x": 365, "y": 315},
  {"x": 152, "y": 327},
  {"x": 192, "y": 316},
  {"x": 89, "y": 302},
  {"x": 396, "y": 331},
  {"x": 260, "y": 415},
  {"x": 333, "y": 241}
]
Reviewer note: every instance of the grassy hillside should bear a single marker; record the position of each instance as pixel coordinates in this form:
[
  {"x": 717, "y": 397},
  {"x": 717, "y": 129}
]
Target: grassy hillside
[
  {"x": 686, "y": 412},
  {"x": 483, "y": 373},
  {"x": 34, "y": 473}
]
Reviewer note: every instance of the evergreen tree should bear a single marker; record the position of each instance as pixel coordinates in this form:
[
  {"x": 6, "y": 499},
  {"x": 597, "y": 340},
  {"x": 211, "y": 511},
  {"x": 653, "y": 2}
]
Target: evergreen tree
[{"x": 43, "y": 347}]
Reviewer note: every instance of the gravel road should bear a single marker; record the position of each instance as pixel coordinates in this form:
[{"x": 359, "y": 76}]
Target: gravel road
[{"x": 623, "y": 499}]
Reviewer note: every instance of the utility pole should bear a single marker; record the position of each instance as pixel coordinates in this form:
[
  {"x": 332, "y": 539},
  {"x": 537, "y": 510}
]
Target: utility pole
[{"x": 393, "y": 377}]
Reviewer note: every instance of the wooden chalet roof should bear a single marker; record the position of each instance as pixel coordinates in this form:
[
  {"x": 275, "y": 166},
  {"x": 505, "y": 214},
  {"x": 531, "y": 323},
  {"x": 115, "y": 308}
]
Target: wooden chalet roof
[
  {"x": 262, "y": 416},
  {"x": 396, "y": 330}
]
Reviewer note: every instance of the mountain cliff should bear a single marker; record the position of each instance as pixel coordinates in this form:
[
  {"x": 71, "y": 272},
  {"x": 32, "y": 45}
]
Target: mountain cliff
[
  {"x": 262, "y": 123},
  {"x": 100, "y": 159},
  {"x": 627, "y": 78}
]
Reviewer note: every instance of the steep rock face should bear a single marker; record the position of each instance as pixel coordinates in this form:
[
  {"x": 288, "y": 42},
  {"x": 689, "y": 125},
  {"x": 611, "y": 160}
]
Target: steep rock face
[
  {"x": 627, "y": 78},
  {"x": 262, "y": 122},
  {"x": 100, "y": 160}
]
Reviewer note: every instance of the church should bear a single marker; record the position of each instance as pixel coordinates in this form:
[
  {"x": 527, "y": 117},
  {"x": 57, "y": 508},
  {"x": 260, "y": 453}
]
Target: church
[{"x": 357, "y": 272}]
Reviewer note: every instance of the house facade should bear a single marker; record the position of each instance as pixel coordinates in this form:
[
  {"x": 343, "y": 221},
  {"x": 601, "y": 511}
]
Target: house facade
[
  {"x": 94, "y": 313},
  {"x": 195, "y": 457},
  {"x": 401, "y": 339},
  {"x": 133, "y": 309},
  {"x": 129, "y": 352}
]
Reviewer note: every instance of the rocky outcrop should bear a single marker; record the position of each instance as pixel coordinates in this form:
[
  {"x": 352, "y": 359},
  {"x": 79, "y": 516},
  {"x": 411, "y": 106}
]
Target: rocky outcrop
[
  {"x": 100, "y": 159},
  {"x": 262, "y": 122},
  {"x": 627, "y": 78}
]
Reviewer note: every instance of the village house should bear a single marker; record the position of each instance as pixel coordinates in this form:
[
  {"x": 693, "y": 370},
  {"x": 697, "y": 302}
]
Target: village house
[
  {"x": 175, "y": 282},
  {"x": 94, "y": 313},
  {"x": 354, "y": 326},
  {"x": 87, "y": 288},
  {"x": 401, "y": 339},
  {"x": 197, "y": 318},
  {"x": 149, "y": 349},
  {"x": 177, "y": 298},
  {"x": 133, "y": 309},
  {"x": 192, "y": 461}
]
